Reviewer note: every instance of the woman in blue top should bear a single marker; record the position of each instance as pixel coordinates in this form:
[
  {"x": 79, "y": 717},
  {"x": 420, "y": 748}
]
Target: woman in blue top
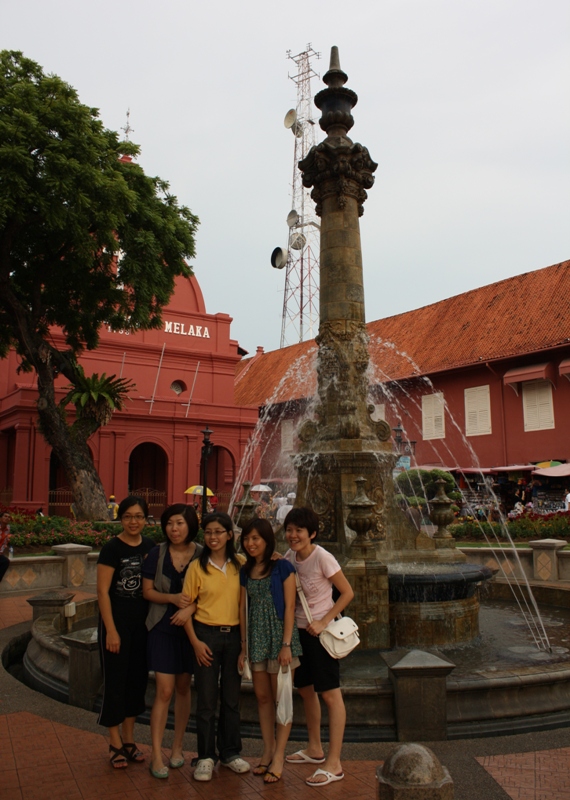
[{"x": 272, "y": 636}]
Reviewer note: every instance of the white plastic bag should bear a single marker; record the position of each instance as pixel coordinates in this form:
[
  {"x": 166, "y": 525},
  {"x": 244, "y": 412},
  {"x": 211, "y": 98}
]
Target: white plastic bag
[{"x": 284, "y": 712}]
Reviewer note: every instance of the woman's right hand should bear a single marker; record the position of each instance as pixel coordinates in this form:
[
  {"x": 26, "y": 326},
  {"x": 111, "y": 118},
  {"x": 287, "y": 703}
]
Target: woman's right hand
[
  {"x": 113, "y": 641},
  {"x": 204, "y": 655},
  {"x": 181, "y": 600}
]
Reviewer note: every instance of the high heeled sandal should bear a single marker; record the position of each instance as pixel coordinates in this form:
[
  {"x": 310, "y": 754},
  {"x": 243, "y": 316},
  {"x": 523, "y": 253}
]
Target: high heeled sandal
[
  {"x": 131, "y": 751},
  {"x": 117, "y": 758}
]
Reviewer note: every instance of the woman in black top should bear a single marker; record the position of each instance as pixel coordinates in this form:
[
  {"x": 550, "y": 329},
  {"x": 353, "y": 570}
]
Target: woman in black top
[{"x": 122, "y": 630}]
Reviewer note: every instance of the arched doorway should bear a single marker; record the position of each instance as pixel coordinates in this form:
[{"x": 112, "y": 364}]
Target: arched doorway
[
  {"x": 148, "y": 476},
  {"x": 221, "y": 475}
]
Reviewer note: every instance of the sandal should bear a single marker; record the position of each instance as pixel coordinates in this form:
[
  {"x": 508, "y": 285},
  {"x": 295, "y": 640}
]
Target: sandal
[
  {"x": 271, "y": 777},
  {"x": 117, "y": 758},
  {"x": 131, "y": 751},
  {"x": 261, "y": 769}
]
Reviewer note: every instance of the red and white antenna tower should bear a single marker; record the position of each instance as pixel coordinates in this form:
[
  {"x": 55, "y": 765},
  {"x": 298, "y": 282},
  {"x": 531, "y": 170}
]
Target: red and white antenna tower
[{"x": 300, "y": 320}]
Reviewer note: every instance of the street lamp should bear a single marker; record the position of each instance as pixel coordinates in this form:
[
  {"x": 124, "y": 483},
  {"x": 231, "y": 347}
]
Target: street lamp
[
  {"x": 401, "y": 445},
  {"x": 207, "y": 448}
]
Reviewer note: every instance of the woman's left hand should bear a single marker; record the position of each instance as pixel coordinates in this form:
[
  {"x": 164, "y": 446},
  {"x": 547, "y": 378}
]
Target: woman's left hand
[
  {"x": 181, "y": 600},
  {"x": 316, "y": 626},
  {"x": 284, "y": 658},
  {"x": 182, "y": 616}
]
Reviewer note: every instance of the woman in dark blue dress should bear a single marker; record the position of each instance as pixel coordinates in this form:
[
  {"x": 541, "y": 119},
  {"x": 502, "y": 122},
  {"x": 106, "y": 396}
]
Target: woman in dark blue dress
[{"x": 170, "y": 654}]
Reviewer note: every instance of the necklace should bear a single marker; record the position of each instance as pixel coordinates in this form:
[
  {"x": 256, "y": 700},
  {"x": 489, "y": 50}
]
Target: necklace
[{"x": 181, "y": 559}]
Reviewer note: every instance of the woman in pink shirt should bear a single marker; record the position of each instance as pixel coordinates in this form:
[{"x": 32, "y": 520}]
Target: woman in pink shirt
[{"x": 319, "y": 673}]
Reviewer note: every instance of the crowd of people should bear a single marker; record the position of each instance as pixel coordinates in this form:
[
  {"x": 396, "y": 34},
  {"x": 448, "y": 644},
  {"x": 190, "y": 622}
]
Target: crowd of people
[{"x": 183, "y": 609}]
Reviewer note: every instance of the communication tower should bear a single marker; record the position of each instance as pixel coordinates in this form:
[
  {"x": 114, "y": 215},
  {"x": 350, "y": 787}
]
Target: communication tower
[{"x": 300, "y": 259}]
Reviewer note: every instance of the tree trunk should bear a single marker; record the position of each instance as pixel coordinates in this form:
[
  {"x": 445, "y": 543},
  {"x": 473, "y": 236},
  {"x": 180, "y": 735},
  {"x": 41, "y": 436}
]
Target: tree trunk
[{"x": 69, "y": 443}]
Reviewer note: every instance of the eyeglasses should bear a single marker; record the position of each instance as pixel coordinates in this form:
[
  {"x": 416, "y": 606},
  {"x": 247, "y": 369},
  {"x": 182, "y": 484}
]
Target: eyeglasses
[
  {"x": 215, "y": 533},
  {"x": 137, "y": 517}
]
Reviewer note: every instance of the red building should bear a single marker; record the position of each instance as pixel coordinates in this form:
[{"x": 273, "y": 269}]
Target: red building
[
  {"x": 184, "y": 376},
  {"x": 477, "y": 380}
]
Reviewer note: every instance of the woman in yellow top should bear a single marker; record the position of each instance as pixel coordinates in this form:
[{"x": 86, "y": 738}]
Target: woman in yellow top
[{"x": 212, "y": 581}]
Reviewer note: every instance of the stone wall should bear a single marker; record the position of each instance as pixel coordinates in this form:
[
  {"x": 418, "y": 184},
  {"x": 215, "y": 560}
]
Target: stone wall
[{"x": 73, "y": 567}]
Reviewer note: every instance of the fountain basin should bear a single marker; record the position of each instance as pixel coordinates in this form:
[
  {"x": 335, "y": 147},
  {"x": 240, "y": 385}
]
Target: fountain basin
[
  {"x": 434, "y": 605},
  {"x": 435, "y": 583}
]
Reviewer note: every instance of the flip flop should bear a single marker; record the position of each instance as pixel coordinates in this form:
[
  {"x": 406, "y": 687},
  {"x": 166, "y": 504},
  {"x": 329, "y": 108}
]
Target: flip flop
[
  {"x": 303, "y": 758},
  {"x": 261, "y": 769},
  {"x": 276, "y": 775},
  {"x": 330, "y": 778}
]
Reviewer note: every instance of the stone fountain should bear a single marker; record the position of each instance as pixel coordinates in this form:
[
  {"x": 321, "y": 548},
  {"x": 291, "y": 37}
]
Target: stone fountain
[{"x": 342, "y": 445}]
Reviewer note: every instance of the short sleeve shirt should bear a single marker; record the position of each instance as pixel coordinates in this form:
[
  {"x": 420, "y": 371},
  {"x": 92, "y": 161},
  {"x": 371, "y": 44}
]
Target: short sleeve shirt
[
  {"x": 315, "y": 573},
  {"x": 127, "y": 561}
]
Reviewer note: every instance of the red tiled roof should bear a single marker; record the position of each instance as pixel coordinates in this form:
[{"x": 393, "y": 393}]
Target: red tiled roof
[{"x": 523, "y": 314}]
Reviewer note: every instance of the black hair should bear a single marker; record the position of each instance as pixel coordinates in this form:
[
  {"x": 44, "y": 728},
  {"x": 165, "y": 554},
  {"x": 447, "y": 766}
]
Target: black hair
[
  {"x": 190, "y": 517},
  {"x": 264, "y": 529},
  {"x": 303, "y": 517},
  {"x": 226, "y": 522},
  {"x": 130, "y": 501}
]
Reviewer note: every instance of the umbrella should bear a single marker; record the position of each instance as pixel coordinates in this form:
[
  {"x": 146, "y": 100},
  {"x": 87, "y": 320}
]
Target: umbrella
[
  {"x": 547, "y": 464},
  {"x": 199, "y": 490},
  {"x": 261, "y": 487}
]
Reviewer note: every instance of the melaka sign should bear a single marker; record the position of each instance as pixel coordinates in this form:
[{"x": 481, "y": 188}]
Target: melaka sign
[{"x": 180, "y": 329}]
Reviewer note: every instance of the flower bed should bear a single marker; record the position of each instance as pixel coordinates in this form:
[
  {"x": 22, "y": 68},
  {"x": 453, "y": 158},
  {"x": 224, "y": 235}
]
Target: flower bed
[
  {"x": 29, "y": 531},
  {"x": 528, "y": 526}
]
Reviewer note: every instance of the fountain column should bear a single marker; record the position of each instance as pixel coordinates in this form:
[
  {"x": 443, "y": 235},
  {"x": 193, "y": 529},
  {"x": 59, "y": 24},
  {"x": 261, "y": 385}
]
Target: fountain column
[{"x": 342, "y": 442}]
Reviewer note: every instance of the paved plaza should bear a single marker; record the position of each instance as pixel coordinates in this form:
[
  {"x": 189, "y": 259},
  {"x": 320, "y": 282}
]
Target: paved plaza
[{"x": 51, "y": 750}]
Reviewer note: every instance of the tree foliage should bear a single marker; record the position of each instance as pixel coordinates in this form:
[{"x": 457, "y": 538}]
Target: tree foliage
[
  {"x": 86, "y": 238},
  {"x": 420, "y": 484}
]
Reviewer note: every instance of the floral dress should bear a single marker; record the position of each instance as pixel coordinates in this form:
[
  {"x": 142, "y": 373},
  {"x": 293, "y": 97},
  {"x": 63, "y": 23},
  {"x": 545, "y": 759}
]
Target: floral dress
[{"x": 265, "y": 629}]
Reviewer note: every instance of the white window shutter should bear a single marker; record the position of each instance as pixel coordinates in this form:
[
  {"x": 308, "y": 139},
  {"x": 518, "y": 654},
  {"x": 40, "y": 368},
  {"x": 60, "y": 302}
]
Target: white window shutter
[
  {"x": 477, "y": 411},
  {"x": 538, "y": 409},
  {"x": 433, "y": 416}
]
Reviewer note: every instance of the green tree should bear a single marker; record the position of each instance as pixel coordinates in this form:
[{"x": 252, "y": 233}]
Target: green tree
[
  {"x": 86, "y": 239},
  {"x": 420, "y": 484}
]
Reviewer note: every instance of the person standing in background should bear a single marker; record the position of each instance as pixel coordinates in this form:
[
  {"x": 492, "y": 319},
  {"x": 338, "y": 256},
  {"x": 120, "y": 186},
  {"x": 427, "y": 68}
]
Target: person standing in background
[{"x": 4, "y": 542}]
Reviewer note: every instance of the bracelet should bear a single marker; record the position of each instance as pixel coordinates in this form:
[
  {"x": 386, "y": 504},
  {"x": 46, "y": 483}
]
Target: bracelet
[{"x": 285, "y": 644}]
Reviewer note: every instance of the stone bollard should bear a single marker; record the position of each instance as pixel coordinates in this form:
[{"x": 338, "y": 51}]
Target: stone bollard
[
  {"x": 545, "y": 558},
  {"x": 413, "y": 772},
  {"x": 75, "y": 565},
  {"x": 85, "y": 676},
  {"x": 50, "y": 603},
  {"x": 420, "y": 695}
]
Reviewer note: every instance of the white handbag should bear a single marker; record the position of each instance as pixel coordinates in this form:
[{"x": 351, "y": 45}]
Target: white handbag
[
  {"x": 340, "y": 637},
  {"x": 284, "y": 710}
]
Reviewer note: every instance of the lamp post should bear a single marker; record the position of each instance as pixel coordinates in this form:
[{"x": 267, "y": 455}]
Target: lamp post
[
  {"x": 401, "y": 445},
  {"x": 207, "y": 448}
]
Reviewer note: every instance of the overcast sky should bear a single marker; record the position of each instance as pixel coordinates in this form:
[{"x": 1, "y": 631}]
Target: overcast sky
[{"x": 464, "y": 104}]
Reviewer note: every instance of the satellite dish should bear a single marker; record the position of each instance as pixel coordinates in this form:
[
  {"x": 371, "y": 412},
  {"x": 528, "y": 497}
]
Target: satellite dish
[
  {"x": 297, "y": 128},
  {"x": 298, "y": 241},
  {"x": 278, "y": 258},
  {"x": 290, "y": 118},
  {"x": 292, "y": 218}
]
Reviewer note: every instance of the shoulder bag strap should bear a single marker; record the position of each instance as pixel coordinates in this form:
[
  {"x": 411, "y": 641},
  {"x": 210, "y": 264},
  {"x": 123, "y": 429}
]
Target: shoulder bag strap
[{"x": 302, "y": 598}]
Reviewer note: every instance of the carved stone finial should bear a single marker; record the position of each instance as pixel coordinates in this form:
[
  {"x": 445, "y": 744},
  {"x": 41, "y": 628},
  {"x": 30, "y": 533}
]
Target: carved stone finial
[
  {"x": 335, "y": 77},
  {"x": 336, "y": 102}
]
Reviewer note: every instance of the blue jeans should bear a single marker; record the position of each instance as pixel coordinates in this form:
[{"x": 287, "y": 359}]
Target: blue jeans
[{"x": 225, "y": 646}]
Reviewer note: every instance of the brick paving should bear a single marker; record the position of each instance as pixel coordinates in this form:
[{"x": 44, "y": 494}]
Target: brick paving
[
  {"x": 50, "y": 751},
  {"x": 544, "y": 775}
]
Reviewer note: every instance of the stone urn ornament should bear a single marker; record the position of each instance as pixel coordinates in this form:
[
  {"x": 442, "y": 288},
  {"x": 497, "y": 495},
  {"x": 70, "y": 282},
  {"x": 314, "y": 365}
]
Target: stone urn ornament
[
  {"x": 361, "y": 516},
  {"x": 246, "y": 505},
  {"x": 440, "y": 511}
]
